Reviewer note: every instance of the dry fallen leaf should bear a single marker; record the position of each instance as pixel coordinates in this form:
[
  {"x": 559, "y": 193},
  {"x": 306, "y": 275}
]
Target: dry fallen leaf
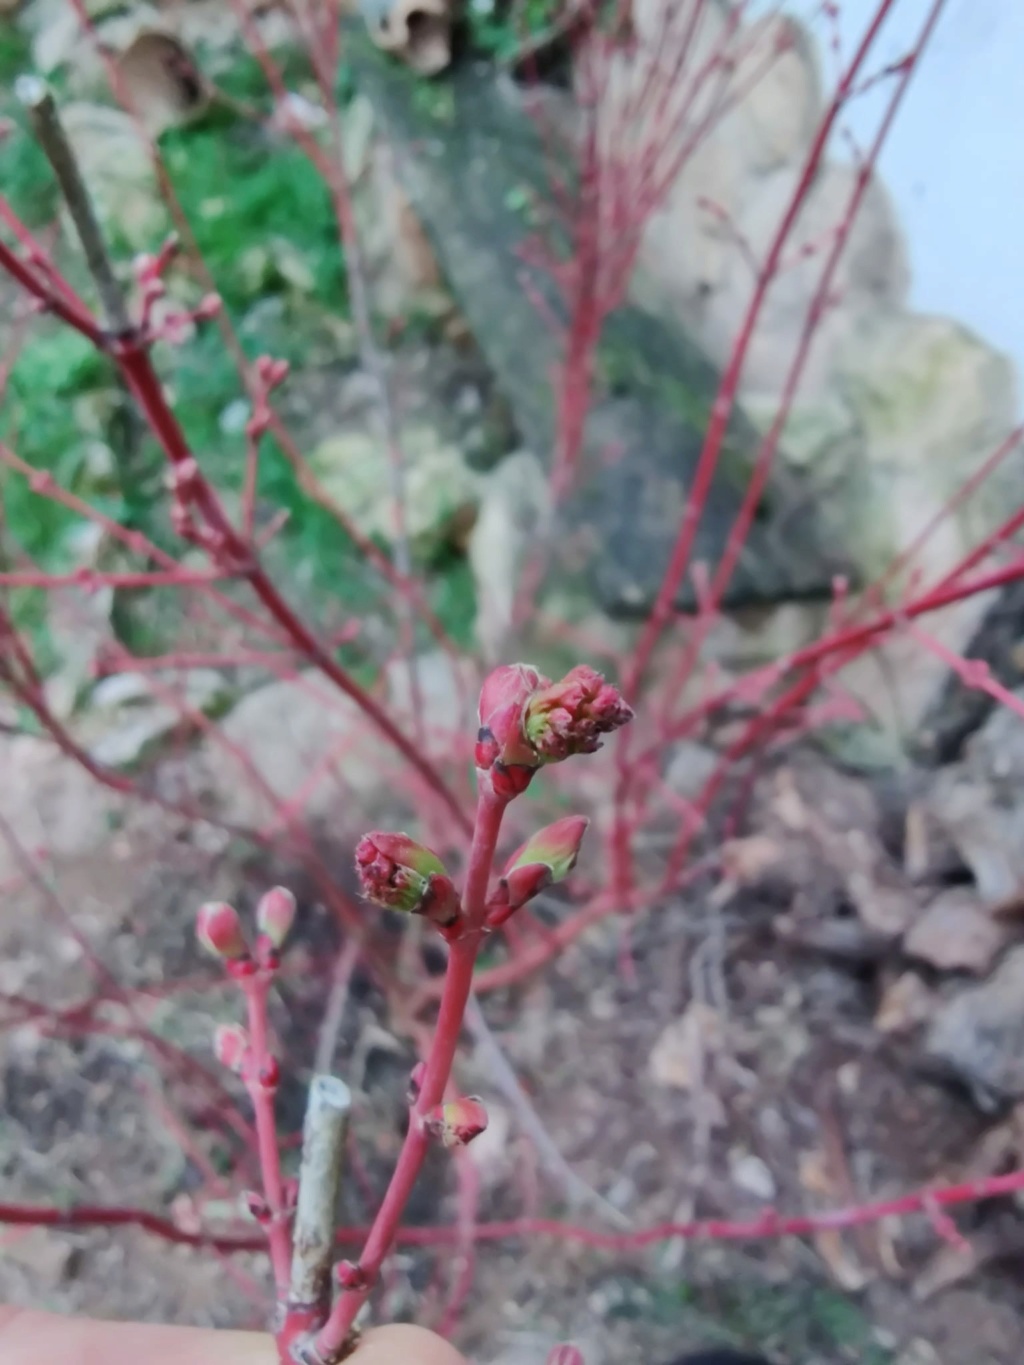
[
  {"x": 678, "y": 1059},
  {"x": 816, "y": 1177},
  {"x": 905, "y": 1003},
  {"x": 787, "y": 802},
  {"x": 745, "y": 861},
  {"x": 956, "y": 933},
  {"x": 885, "y": 907},
  {"x": 950, "y": 1264}
]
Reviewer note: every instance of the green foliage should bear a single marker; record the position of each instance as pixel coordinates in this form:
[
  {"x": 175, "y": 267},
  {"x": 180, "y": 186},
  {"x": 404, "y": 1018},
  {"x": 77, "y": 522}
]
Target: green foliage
[
  {"x": 264, "y": 223},
  {"x": 793, "y": 1321},
  {"x": 452, "y": 598},
  {"x": 53, "y": 369},
  {"x": 24, "y": 174},
  {"x": 260, "y": 213},
  {"x": 501, "y": 29}
]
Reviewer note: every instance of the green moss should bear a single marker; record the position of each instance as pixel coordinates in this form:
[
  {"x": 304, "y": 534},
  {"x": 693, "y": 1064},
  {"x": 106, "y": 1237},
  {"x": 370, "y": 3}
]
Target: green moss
[
  {"x": 453, "y": 599},
  {"x": 628, "y": 363},
  {"x": 500, "y": 29},
  {"x": 794, "y": 1321},
  {"x": 263, "y": 221}
]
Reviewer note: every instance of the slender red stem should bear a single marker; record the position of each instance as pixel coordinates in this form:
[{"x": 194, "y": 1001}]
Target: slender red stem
[
  {"x": 766, "y": 1226},
  {"x": 728, "y": 388},
  {"x": 458, "y": 985},
  {"x": 261, "y": 1092},
  {"x": 141, "y": 378},
  {"x": 51, "y": 301}
]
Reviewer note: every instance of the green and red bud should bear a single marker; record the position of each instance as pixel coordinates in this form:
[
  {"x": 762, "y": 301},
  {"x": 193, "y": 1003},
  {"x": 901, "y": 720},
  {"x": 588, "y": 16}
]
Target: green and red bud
[
  {"x": 231, "y": 1046},
  {"x": 547, "y": 857},
  {"x": 526, "y": 720},
  {"x": 569, "y": 717},
  {"x": 219, "y": 931},
  {"x": 275, "y": 914},
  {"x": 400, "y": 874},
  {"x": 458, "y": 1122}
]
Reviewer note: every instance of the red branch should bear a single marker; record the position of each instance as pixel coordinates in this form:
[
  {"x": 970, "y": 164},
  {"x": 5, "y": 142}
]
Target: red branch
[
  {"x": 767, "y": 1226},
  {"x": 458, "y": 986}
]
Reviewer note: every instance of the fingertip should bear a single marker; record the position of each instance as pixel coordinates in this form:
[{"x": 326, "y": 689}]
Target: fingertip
[{"x": 404, "y": 1344}]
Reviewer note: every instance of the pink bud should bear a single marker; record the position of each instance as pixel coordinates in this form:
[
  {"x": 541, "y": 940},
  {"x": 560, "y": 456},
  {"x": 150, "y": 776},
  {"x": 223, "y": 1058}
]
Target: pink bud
[
  {"x": 219, "y": 930},
  {"x": 570, "y": 716},
  {"x": 397, "y": 872},
  {"x": 565, "y": 1354},
  {"x": 349, "y": 1275},
  {"x": 269, "y": 1074},
  {"x": 208, "y": 307},
  {"x": 501, "y": 740},
  {"x": 459, "y": 1121},
  {"x": 255, "y": 1206},
  {"x": 275, "y": 914},
  {"x": 231, "y": 1046}
]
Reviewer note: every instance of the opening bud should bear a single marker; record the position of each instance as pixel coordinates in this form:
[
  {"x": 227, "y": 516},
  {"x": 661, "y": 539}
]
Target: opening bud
[
  {"x": 570, "y": 716},
  {"x": 459, "y": 1121},
  {"x": 548, "y": 856},
  {"x": 219, "y": 930},
  {"x": 231, "y": 1046},
  {"x": 526, "y": 720},
  {"x": 275, "y": 914},
  {"x": 400, "y": 874}
]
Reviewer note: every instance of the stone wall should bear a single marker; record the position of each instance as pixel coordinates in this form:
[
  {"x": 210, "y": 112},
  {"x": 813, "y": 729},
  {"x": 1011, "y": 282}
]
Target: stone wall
[{"x": 895, "y": 410}]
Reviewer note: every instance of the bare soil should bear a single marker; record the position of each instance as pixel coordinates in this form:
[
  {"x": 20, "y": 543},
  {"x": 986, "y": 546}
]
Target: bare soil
[{"x": 690, "y": 1063}]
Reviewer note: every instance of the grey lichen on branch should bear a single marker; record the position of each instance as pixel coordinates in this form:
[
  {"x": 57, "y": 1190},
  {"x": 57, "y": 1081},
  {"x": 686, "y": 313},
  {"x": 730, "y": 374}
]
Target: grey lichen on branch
[
  {"x": 41, "y": 107},
  {"x": 323, "y": 1149}
]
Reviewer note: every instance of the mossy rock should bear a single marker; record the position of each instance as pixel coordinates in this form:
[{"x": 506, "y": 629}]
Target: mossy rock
[{"x": 475, "y": 172}]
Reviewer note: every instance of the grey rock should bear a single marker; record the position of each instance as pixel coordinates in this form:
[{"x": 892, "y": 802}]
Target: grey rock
[
  {"x": 978, "y": 805},
  {"x": 116, "y": 165},
  {"x": 689, "y": 768},
  {"x": 474, "y": 171},
  {"x": 296, "y": 741},
  {"x": 514, "y": 510},
  {"x": 979, "y": 1036},
  {"x": 50, "y": 803},
  {"x": 956, "y": 933},
  {"x": 441, "y": 490}
]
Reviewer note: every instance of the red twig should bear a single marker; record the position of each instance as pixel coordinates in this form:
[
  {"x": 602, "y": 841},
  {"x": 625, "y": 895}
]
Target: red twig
[
  {"x": 458, "y": 984},
  {"x": 767, "y": 1226},
  {"x": 261, "y": 1083}
]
